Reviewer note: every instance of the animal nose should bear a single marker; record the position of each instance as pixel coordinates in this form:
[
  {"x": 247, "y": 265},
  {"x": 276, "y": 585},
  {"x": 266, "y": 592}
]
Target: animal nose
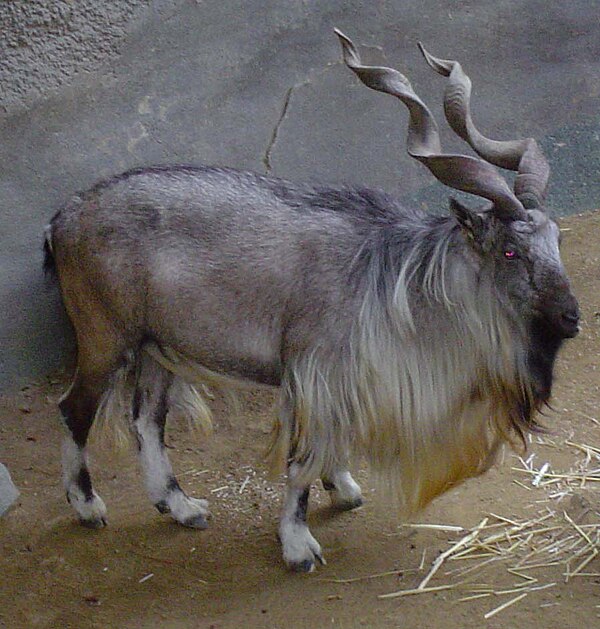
[
  {"x": 570, "y": 320},
  {"x": 571, "y": 317}
]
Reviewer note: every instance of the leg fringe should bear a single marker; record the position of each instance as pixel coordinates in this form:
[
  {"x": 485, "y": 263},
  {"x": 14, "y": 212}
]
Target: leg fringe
[{"x": 112, "y": 425}]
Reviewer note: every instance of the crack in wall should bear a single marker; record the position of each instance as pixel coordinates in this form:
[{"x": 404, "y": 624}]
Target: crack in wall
[
  {"x": 266, "y": 159},
  {"x": 271, "y": 145}
]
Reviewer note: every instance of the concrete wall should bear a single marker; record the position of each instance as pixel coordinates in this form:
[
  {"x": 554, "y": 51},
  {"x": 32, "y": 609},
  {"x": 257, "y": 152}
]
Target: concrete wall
[{"x": 91, "y": 88}]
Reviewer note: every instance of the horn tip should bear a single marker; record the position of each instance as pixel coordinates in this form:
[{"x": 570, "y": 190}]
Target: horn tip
[
  {"x": 441, "y": 66},
  {"x": 429, "y": 58},
  {"x": 349, "y": 51},
  {"x": 344, "y": 38}
]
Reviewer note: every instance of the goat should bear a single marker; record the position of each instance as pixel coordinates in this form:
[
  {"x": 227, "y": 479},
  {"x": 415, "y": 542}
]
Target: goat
[{"x": 420, "y": 342}]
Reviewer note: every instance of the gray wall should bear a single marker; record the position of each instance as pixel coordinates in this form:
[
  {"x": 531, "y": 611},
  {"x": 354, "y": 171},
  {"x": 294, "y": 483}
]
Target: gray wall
[{"x": 91, "y": 88}]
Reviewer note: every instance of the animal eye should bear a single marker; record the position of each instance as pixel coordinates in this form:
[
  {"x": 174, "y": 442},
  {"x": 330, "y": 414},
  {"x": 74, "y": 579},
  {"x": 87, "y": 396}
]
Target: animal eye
[{"x": 510, "y": 254}]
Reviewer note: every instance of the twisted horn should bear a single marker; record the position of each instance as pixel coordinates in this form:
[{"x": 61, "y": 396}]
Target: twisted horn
[
  {"x": 524, "y": 156},
  {"x": 461, "y": 172}
]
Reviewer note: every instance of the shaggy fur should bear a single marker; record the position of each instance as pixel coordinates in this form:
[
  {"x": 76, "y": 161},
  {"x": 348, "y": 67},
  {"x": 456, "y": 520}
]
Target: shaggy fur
[
  {"x": 433, "y": 371},
  {"x": 433, "y": 376}
]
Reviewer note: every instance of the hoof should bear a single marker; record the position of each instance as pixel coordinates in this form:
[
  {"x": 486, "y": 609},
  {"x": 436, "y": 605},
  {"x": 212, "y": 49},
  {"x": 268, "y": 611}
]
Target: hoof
[
  {"x": 163, "y": 507},
  {"x": 93, "y": 523},
  {"x": 347, "y": 505},
  {"x": 91, "y": 512},
  {"x": 197, "y": 521},
  {"x": 308, "y": 565},
  {"x": 344, "y": 491},
  {"x": 301, "y": 551},
  {"x": 190, "y": 512}
]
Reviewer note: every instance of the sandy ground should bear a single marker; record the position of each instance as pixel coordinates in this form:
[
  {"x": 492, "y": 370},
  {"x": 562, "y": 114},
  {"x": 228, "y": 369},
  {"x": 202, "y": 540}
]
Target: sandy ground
[{"x": 145, "y": 571}]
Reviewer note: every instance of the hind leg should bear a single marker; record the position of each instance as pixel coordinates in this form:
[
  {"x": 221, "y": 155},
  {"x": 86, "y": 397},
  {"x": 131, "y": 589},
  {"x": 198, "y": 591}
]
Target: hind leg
[
  {"x": 78, "y": 407},
  {"x": 149, "y": 414}
]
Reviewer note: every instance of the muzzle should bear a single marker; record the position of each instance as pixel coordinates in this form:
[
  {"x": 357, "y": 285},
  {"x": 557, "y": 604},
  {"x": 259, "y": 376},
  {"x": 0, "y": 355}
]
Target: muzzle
[{"x": 567, "y": 320}]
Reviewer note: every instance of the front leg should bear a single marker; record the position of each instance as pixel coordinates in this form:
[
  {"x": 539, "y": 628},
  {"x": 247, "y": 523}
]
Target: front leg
[
  {"x": 343, "y": 489},
  {"x": 300, "y": 549}
]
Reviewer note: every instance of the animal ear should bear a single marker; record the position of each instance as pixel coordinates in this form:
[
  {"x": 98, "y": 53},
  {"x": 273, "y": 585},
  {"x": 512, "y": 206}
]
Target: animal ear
[{"x": 473, "y": 223}]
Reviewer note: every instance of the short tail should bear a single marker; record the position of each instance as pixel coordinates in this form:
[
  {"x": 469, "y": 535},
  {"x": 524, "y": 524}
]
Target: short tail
[{"x": 49, "y": 261}]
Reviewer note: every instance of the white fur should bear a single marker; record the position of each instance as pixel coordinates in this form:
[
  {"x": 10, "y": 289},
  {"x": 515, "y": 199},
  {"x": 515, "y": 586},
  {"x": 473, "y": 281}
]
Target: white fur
[
  {"x": 347, "y": 491},
  {"x": 426, "y": 399},
  {"x": 158, "y": 472},
  {"x": 186, "y": 510},
  {"x": 154, "y": 460},
  {"x": 92, "y": 512},
  {"x": 300, "y": 548},
  {"x": 298, "y": 544}
]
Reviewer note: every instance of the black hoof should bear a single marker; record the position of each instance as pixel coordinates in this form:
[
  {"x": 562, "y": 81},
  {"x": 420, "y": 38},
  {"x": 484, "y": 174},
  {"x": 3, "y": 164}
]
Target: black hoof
[
  {"x": 349, "y": 505},
  {"x": 93, "y": 523},
  {"x": 302, "y": 566},
  {"x": 196, "y": 522},
  {"x": 163, "y": 507}
]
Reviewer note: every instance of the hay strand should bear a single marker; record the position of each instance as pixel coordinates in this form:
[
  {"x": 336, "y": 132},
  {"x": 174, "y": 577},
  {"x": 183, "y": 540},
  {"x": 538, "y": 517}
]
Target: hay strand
[{"x": 502, "y": 607}]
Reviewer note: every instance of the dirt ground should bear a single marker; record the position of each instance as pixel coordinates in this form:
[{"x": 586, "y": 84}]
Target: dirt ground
[{"x": 145, "y": 571}]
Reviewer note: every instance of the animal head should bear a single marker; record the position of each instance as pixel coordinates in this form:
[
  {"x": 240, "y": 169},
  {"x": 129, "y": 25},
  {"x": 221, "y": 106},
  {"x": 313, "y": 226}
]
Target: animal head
[
  {"x": 517, "y": 241},
  {"x": 524, "y": 259}
]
